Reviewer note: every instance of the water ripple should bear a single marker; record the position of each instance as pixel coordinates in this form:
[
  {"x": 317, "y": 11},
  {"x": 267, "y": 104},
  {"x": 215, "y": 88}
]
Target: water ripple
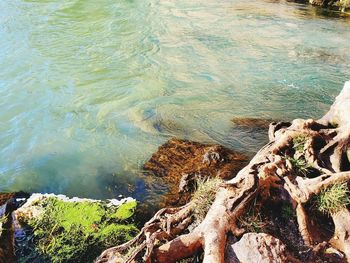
[{"x": 90, "y": 89}]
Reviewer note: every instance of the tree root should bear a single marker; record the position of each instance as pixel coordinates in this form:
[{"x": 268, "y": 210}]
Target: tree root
[
  {"x": 171, "y": 235},
  {"x": 341, "y": 238}
]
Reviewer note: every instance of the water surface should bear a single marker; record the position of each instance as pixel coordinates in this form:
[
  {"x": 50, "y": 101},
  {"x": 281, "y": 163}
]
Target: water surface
[{"x": 89, "y": 89}]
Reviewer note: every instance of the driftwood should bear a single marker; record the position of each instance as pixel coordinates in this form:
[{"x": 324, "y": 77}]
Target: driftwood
[{"x": 323, "y": 144}]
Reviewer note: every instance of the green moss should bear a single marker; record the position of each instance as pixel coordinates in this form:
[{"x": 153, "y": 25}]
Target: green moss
[
  {"x": 68, "y": 214},
  {"x": 80, "y": 231},
  {"x": 125, "y": 211},
  {"x": 114, "y": 234}
]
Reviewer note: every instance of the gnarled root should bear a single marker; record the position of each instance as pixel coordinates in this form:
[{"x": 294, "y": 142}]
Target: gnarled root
[
  {"x": 341, "y": 238},
  {"x": 302, "y": 158}
]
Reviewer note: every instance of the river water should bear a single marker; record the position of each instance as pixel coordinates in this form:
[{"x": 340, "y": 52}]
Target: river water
[{"x": 89, "y": 89}]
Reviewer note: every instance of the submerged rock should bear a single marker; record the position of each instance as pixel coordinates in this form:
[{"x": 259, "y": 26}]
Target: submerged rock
[
  {"x": 249, "y": 134},
  {"x": 181, "y": 162},
  {"x": 61, "y": 229},
  {"x": 253, "y": 123},
  {"x": 182, "y": 156}
]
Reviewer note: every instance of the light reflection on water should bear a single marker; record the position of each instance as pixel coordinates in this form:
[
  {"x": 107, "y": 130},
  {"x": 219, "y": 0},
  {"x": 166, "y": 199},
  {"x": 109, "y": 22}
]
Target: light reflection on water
[{"x": 90, "y": 89}]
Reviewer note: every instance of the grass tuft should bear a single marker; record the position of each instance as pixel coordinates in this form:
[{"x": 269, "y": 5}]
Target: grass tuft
[
  {"x": 299, "y": 143},
  {"x": 287, "y": 211},
  {"x": 204, "y": 196},
  {"x": 300, "y": 165},
  {"x": 333, "y": 199},
  {"x": 252, "y": 220}
]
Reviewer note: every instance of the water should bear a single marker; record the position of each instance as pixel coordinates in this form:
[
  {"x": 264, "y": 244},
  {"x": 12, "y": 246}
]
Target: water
[{"x": 89, "y": 89}]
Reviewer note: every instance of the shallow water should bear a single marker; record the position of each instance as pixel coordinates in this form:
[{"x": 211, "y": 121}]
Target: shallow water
[{"x": 89, "y": 89}]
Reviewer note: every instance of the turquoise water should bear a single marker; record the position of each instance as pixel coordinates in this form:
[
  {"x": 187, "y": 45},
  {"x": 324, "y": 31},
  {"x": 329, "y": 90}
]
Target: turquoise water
[{"x": 89, "y": 89}]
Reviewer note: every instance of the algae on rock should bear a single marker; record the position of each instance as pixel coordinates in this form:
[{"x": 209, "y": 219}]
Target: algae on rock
[{"x": 75, "y": 230}]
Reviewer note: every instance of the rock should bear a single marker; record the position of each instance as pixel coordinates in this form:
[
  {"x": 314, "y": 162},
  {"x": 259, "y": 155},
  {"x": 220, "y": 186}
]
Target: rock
[
  {"x": 33, "y": 206},
  {"x": 185, "y": 161},
  {"x": 254, "y": 123},
  {"x": 248, "y": 134},
  {"x": 332, "y": 4},
  {"x": 177, "y": 157},
  {"x": 8, "y": 203},
  {"x": 258, "y": 247},
  {"x": 187, "y": 182},
  {"x": 61, "y": 229},
  {"x": 5, "y": 197}
]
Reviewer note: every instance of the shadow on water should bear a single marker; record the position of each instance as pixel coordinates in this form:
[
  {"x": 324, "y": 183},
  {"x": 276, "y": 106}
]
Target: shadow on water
[
  {"x": 46, "y": 174},
  {"x": 59, "y": 174}
]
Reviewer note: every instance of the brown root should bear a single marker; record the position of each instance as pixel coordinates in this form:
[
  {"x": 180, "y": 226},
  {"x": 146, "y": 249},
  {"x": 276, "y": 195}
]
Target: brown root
[
  {"x": 302, "y": 158},
  {"x": 341, "y": 238}
]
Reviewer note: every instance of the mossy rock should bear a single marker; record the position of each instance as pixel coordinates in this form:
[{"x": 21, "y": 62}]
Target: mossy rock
[{"x": 68, "y": 230}]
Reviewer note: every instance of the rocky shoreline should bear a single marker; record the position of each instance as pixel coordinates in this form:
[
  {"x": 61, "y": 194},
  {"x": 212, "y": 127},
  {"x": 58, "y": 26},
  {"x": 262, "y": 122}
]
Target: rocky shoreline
[
  {"x": 289, "y": 203},
  {"x": 34, "y": 227}
]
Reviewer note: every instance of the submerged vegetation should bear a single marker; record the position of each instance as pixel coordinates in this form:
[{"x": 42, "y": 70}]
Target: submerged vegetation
[{"x": 79, "y": 231}]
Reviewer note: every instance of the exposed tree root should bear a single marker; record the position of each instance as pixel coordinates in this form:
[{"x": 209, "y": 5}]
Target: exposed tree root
[
  {"x": 302, "y": 158},
  {"x": 341, "y": 238}
]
